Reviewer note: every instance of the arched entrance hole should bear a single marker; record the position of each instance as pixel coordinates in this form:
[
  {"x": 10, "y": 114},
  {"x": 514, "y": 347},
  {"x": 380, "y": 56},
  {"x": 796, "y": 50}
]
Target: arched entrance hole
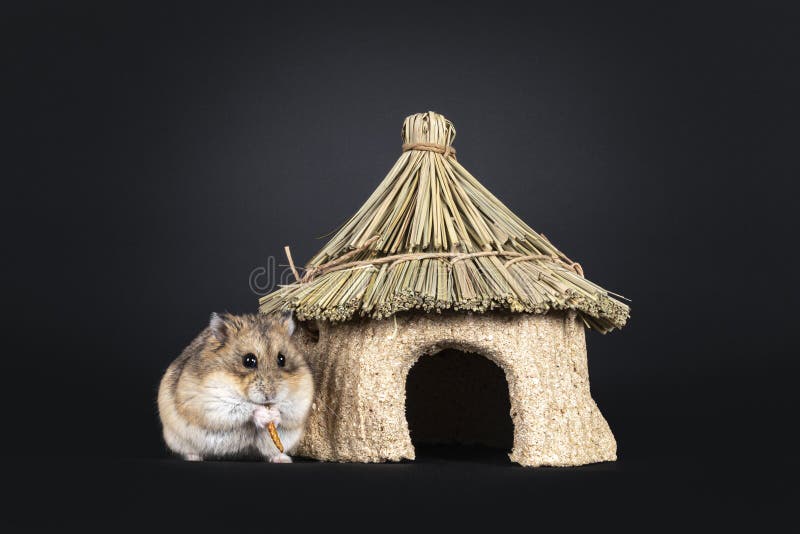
[{"x": 458, "y": 398}]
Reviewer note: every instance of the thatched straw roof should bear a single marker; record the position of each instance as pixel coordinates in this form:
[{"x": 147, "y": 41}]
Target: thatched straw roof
[{"x": 431, "y": 237}]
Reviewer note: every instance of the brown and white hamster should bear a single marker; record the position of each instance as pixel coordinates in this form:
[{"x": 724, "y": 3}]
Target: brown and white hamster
[{"x": 240, "y": 373}]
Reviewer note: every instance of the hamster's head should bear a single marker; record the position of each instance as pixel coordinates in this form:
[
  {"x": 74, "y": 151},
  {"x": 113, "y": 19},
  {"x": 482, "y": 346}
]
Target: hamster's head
[{"x": 253, "y": 356}]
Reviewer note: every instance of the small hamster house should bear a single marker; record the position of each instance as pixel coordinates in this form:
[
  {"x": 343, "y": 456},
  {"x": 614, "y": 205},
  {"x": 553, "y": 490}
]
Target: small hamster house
[{"x": 434, "y": 261}]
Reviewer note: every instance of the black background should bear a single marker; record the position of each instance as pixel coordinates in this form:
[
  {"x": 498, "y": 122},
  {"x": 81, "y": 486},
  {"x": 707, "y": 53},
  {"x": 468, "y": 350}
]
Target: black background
[{"x": 155, "y": 155}]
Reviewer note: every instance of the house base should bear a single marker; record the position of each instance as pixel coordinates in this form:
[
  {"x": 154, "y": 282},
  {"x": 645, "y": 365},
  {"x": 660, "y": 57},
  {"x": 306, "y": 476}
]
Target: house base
[{"x": 361, "y": 368}]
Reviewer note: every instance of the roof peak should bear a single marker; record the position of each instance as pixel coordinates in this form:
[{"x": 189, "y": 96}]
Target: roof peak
[{"x": 429, "y": 127}]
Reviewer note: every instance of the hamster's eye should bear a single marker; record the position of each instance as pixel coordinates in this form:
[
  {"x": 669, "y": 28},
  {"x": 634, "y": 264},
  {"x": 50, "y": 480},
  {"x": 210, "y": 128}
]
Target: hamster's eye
[
  {"x": 281, "y": 360},
  {"x": 249, "y": 360}
]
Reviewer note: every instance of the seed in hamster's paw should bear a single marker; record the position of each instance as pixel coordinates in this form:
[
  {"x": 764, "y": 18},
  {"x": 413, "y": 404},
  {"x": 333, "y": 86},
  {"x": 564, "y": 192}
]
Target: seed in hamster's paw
[{"x": 273, "y": 433}]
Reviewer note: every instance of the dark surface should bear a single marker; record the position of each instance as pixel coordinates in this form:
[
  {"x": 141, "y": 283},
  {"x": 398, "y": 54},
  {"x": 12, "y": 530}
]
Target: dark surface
[
  {"x": 447, "y": 488},
  {"x": 157, "y": 154}
]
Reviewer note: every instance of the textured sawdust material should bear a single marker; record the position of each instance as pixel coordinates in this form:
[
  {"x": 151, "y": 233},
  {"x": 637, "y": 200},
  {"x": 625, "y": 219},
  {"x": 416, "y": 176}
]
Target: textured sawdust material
[{"x": 361, "y": 368}]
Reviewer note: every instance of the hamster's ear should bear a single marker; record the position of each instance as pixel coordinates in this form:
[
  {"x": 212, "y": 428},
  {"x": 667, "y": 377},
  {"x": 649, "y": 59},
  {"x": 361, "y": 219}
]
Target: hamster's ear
[
  {"x": 220, "y": 328},
  {"x": 286, "y": 320}
]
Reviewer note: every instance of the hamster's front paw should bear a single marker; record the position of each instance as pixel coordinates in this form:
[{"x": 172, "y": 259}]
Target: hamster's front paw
[
  {"x": 264, "y": 415},
  {"x": 280, "y": 459}
]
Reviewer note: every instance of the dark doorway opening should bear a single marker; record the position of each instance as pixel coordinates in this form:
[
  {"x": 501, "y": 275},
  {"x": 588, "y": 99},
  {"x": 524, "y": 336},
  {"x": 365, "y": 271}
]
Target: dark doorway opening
[{"x": 457, "y": 405}]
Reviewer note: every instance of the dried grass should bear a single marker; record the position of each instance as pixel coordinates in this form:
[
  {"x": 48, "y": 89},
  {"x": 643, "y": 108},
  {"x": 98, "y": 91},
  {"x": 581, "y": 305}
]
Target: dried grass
[{"x": 432, "y": 238}]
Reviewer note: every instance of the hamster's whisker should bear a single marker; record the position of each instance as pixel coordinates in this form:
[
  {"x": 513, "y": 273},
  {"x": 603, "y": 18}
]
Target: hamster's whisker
[{"x": 330, "y": 411}]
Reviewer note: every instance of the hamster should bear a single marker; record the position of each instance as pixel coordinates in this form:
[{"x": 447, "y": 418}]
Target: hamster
[{"x": 240, "y": 373}]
